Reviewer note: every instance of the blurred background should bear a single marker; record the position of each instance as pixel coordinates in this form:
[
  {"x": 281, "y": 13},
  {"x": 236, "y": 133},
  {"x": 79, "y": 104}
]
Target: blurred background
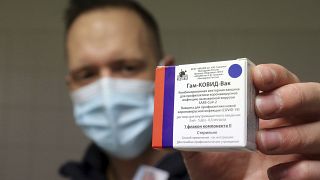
[{"x": 37, "y": 131}]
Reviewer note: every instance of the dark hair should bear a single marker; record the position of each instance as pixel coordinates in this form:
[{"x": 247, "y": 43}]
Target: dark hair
[{"x": 78, "y": 7}]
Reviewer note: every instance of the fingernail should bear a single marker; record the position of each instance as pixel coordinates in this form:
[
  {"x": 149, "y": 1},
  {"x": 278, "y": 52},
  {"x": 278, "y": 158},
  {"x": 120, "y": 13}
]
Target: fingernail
[
  {"x": 268, "y": 75},
  {"x": 268, "y": 104},
  {"x": 270, "y": 140}
]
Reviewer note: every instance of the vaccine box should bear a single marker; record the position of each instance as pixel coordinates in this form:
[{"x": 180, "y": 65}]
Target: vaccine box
[{"x": 205, "y": 106}]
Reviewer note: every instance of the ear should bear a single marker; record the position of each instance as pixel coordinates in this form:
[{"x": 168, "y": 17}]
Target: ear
[{"x": 168, "y": 60}]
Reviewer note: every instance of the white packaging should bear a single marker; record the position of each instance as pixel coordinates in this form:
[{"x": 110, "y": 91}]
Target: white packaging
[{"x": 205, "y": 106}]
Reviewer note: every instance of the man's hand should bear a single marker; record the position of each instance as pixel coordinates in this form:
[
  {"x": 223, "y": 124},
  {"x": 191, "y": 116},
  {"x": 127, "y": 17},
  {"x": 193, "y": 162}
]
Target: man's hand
[{"x": 289, "y": 135}]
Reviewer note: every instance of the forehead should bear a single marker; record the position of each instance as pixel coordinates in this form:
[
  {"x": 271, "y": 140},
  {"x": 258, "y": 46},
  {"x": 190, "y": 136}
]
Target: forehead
[{"x": 109, "y": 33}]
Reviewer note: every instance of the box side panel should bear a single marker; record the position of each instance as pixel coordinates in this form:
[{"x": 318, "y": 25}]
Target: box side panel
[
  {"x": 252, "y": 119},
  {"x": 158, "y": 108}
]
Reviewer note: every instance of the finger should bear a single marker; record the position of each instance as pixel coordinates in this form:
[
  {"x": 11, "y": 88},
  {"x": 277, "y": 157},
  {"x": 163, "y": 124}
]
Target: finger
[
  {"x": 283, "y": 122},
  {"x": 300, "y": 139},
  {"x": 267, "y": 77},
  {"x": 289, "y": 100},
  {"x": 274, "y": 123},
  {"x": 295, "y": 170}
]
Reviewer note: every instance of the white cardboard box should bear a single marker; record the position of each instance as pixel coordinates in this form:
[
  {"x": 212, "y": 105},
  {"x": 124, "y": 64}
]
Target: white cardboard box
[{"x": 205, "y": 106}]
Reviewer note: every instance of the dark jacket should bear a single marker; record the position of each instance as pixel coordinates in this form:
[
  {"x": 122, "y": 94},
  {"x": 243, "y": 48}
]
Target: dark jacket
[{"x": 95, "y": 163}]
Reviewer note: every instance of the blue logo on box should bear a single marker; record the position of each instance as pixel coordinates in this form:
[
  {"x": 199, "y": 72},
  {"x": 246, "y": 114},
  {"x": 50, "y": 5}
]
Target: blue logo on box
[{"x": 235, "y": 70}]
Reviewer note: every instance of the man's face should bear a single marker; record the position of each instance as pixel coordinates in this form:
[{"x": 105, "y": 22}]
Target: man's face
[{"x": 110, "y": 42}]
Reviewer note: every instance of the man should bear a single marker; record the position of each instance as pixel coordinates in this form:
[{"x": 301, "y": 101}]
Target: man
[{"x": 113, "y": 48}]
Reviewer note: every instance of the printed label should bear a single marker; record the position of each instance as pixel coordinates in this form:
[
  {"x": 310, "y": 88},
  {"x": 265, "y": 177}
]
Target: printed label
[{"x": 210, "y": 105}]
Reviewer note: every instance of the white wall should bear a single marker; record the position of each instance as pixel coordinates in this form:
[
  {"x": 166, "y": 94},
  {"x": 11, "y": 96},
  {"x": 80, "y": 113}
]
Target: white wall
[
  {"x": 285, "y": 32},
  {"x": 36, "y": 126}
]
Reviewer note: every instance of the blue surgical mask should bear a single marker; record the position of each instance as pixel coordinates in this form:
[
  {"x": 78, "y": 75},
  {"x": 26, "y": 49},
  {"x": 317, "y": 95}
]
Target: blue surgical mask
[{"x": 116, "y": 114}]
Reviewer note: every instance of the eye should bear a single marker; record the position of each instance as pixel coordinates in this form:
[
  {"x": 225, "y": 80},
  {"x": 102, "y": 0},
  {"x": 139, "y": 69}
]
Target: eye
[
  {"x": 127, "y": 69},
  {"x": 85, "y": 74},
  {"x": 130, "y": 68}
]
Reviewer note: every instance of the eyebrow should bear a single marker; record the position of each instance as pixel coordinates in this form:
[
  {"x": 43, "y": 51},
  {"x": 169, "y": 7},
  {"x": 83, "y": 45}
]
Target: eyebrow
[
  {"x": 111, "y": 62},
  {"x": 123, "y": 61}
]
